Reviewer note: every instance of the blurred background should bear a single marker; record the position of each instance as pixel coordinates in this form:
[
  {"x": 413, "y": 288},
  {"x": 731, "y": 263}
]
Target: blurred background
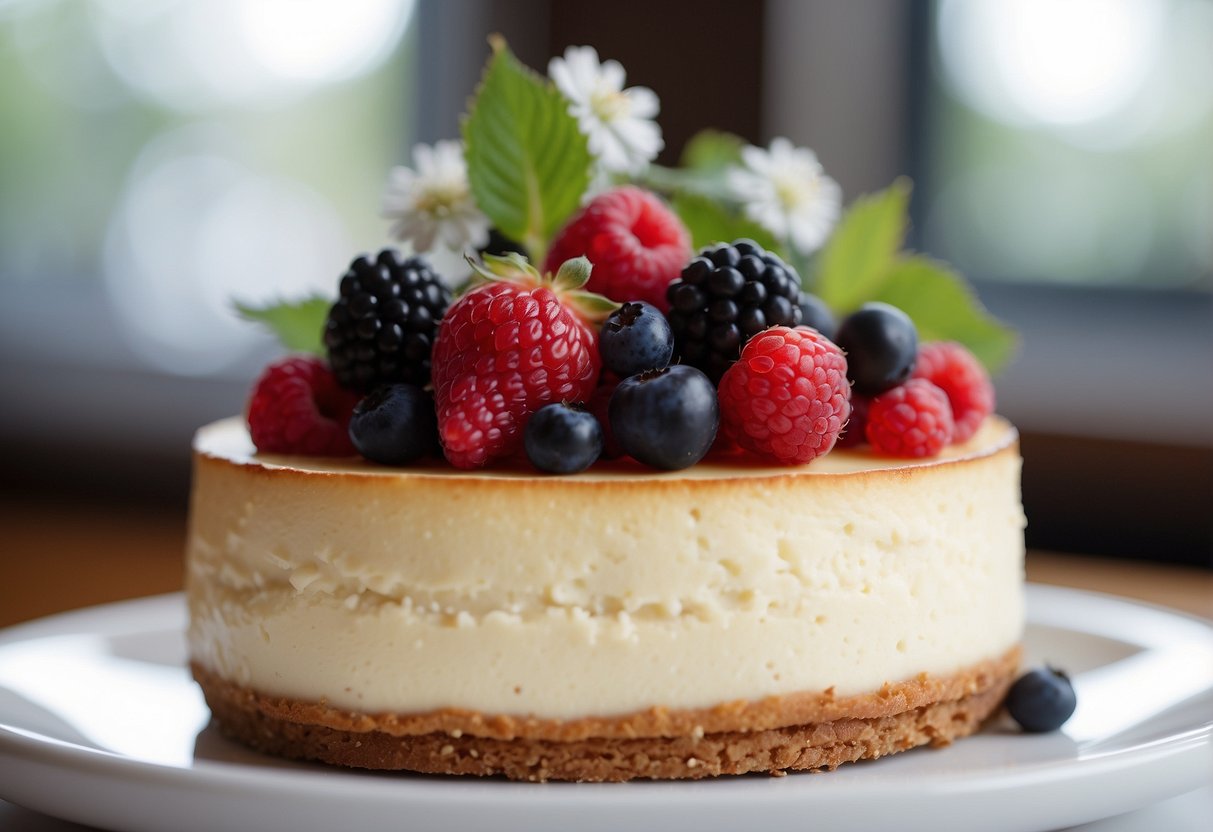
[{"x": 160, "y": 158}]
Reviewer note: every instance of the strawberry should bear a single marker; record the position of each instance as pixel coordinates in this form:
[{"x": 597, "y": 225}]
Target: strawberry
[{"x": 513, "y": 343}]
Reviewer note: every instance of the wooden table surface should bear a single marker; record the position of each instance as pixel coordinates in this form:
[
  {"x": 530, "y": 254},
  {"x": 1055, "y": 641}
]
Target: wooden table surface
[{"x": 56, "y": 558}]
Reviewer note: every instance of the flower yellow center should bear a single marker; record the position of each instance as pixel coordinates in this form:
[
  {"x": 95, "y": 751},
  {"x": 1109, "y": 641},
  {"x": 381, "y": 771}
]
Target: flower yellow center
[
  {"x": 442, "y": 199},
  {"x": 792, "y": 193},
  {"x": 609, "y": 105}
]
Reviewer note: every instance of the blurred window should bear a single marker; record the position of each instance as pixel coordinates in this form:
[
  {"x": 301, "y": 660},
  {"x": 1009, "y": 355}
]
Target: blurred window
[
  {"x": 160, "y": 157},
  {"x": 1070, "y": 141}
]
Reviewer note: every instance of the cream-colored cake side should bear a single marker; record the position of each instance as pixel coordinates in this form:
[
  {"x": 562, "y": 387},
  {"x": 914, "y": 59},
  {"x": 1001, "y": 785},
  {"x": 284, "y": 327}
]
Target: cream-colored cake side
[{"x": 564, "y": 598}]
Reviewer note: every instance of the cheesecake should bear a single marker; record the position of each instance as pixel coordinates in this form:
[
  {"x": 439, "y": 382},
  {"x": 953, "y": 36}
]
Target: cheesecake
[{"x": 615, "y": 624}]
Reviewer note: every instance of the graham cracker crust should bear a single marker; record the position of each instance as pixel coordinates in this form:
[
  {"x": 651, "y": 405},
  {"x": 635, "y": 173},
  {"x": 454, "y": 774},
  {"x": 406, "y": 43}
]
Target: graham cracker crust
[{"x": 807, "y": 731}]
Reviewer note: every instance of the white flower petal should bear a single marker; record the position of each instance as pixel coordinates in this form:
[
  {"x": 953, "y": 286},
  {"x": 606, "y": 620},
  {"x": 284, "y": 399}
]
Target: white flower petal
[
  {"x": 558, "y": 71},
  {"x": 641, "y": 138},
  {"x": 756, "y": 159},
  {"x": 617, "y": 122},
  {"x": 434, "y": 201},
  {"x": 583, "y": 66},
  {"x": 644, "y": 101},
  {"x": 423, "y": 160},
  {"x": 611, "y": 152},
  {"x": 611, "y": 76},
  {"x": 784, "y": 189}
]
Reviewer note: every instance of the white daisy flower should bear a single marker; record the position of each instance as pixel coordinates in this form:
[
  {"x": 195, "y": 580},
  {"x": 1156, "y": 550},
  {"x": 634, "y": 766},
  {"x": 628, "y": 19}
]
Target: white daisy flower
[
  {"x": 785, "y": 190},
  {"x": 619, "y": 123},
  {"x": 432, "y": 201}
]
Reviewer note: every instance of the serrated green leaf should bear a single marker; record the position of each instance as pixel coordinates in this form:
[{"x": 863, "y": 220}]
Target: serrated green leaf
[
  {"x": 709, "y": 222},
  {"x": 862, "y": 249},
  {"x": 528, "y": 162},
  {"x": 944, "y": 307},
  {"x": 299, "y": 325},
  {"x": 712, "y": 151}
]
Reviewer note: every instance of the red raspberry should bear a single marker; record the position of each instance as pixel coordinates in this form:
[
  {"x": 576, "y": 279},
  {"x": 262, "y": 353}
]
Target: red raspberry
[
  {"x": 787, "y": 397},
  {"x": 297, "y": 407},
  {"x": 852, "y": 435},
  {"x": 503, "y": 351},
  {"x": 637, "y": 245},
  {"x": 955, "y": 371},
  {"x": 911, "y": 420}
]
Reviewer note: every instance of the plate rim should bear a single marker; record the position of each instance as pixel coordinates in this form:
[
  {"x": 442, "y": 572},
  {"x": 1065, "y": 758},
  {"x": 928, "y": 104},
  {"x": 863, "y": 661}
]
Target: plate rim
[{"x": 1185, "y": 750}]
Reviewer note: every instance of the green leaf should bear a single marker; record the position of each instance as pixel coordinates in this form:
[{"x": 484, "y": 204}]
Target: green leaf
[
  {"x": 592, "y": 307},
  {"x": 862, "y": 249},
  {"x": 528, "y": 162},
  {"x": 944, "y": 307},
  {"x": 508, "y": 265},
  {"x": 573, "y": 274},
  {"x": 709, "y": 222},
  {"x": 299, "y": 325},
  {"x": 712, "y": 151}
]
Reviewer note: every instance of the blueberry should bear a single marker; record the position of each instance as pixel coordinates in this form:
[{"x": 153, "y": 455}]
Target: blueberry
[
  {"x": 636, "y": 337},
  {"x": 562, "y": 439},
  {"x": 881, "y": 344},
  {"x": 814, "y": 313},
  {"x": 395, "y": 425},
  {"x": 1041, "y": 700},
  {"x": 666, "y": 418}
]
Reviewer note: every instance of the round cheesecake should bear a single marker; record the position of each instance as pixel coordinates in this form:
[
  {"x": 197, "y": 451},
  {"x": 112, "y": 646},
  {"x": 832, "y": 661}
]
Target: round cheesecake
[{"x": 614, "y": 624}]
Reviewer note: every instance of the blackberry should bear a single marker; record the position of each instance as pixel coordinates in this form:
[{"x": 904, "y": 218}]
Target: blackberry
[
  {"x": 725, "y": 296},
  {"x": 382, "y": 327}
]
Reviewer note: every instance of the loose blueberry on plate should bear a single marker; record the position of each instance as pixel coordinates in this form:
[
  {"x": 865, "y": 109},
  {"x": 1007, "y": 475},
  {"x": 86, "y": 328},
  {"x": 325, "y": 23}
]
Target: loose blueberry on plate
[
  {"x": 562, "y": 439},
  {"x": 395, "y": 425},
  {"x": 1041, "y": 700}
]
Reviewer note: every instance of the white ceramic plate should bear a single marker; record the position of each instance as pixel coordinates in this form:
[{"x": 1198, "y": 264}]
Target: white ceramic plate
[{"x": 100, "y": 724}]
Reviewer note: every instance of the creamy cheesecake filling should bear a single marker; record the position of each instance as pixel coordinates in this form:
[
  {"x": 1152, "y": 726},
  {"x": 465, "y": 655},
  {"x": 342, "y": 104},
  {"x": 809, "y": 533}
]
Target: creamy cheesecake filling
[{"x": 385, "y": 590}]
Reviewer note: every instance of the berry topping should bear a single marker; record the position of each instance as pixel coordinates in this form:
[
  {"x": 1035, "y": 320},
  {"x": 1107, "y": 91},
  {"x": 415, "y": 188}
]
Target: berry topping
[
  {"x": 507, "y": 348},
  {"x": 787, "y": 397},
  {"x": 382, "y": 327},
  {"x": 913, "y": 420},
  {"x": 562, "y": 439},
  {"x": 395, "y": 425},
  {"x": 637, "y": 245},
  {"x": 880, "y": 342},
  {"x": 297, "y": 407},
  {"x": 666, "y": 418},
  {"x": 955, "y": 371},
  {"x": 725, "y": 296},
  {"x": 1041, "y": 700},
  {"x": 600, "y": 405},
  {"x": 853, "y": 432},
  {"x": 636, "y": 337},
  {"x": 815, "y": 313}
]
